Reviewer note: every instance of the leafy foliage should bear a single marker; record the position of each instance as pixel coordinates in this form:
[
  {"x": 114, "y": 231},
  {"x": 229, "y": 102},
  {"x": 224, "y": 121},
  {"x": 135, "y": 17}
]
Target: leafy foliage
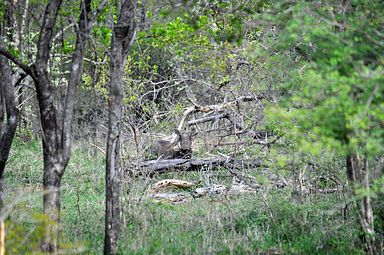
[{"x": 336, "y": 96}]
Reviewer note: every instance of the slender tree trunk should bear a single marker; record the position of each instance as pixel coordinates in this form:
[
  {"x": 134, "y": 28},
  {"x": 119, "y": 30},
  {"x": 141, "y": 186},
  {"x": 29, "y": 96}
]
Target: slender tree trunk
[
  {"x": 9, "y": 117},
  {"x": 57, "y": 140},
  {"x": 143, "y": 15},
  {"x": 113, "y": 179},
  {"x": 53, "y": 163},
  {"x": 51, "y": 204},
  {"x": 21, "y": 96},
  {"x": 123, "y": 34},
  {"x": 8, "y": 114},
  {"x": 7, "y": 128},
  {"x": 358, "y": 175},
  {"x": 56, "y": 137}
]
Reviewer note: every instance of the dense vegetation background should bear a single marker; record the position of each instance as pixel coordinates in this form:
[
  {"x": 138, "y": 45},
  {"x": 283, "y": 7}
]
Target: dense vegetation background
[{"x": 288, "y": 94}]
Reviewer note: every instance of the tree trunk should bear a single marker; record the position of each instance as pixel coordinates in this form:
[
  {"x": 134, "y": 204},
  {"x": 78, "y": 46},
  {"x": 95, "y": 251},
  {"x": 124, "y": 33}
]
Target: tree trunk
[
  {"x": 57, "y": 140},
  {"x": 53, "y": 166},
  {"x": 358, "y": 175},
  {"x": 56, "y": 137},
  {"x": 123, "y": 34},
  {"x": 7, "y": 127},
  {"x": 9, "y": 117},
  {"x": 8, "y": 114},
  {"x": 51, "y": 204},
  {"x": 50, "y": 133}
]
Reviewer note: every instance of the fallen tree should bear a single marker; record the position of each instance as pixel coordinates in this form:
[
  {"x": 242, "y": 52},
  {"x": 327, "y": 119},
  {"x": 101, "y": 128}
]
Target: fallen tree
[
  {"x": 235, "y": 167},
  {"x": 151, "y": 167}
]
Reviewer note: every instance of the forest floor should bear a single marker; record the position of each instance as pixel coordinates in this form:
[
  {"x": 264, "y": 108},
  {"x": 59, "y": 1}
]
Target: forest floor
[{"x": 271, "y": 221}]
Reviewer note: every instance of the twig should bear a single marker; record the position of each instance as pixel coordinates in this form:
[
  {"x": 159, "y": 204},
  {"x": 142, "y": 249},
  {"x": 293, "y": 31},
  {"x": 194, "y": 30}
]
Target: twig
[{"x": 97, "y": 147}]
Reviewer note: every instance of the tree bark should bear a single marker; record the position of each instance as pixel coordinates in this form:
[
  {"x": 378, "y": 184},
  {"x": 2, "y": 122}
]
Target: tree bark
[
  {"x": 9, "y": 118},
  {"x": 123, "y": 34},
  {"x": 52, "y": 155},
  {"x": 358, "y": 175},
  {"x": 51, "y": 203},
  {"x": 56, "y": 136},
  {"x": 9, "y": 115}
]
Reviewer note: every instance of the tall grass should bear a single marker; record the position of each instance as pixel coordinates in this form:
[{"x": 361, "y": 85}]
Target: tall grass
[{"x": 269, "y": 222}]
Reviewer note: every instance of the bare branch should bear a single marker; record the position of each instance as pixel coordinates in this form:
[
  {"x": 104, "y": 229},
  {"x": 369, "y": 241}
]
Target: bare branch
[
  {"x": 217, "y": 108},
  {"x": 16, "y": 61}
]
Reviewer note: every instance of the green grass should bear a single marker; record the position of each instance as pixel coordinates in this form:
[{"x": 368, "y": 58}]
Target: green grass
[{"x": 244, "y": 224}]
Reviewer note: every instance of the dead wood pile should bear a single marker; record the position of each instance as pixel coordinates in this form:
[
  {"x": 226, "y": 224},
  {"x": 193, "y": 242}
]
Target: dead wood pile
[{"x": 151, "y": 167}]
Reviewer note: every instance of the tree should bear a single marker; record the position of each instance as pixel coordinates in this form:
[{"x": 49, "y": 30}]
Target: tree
[
  {"x": 122, "y": 38},
  {"x": 56, "y": 138},
  {"x": 9, "y": 118},
  {"x": 8, "y": 115},
  {"x": 335, "y": 95}
]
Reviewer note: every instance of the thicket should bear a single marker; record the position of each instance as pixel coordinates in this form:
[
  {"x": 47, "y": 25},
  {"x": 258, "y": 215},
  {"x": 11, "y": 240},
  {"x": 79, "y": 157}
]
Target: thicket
[{"x": 296, "y": 85}]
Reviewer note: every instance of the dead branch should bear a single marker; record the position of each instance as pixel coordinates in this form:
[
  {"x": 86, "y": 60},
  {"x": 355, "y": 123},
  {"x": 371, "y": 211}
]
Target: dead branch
[
  {"x": 97, "y": 147},
  {"x": 324, "y": 191},
  {"x": 174, "y": 198},
  {"x": 216, "y": 108},
  {"x": 214, "y": 189},
  {"x": 170, "y": 183},
  {"x": 208, "y": 118},
  {"x": 152, "y": 167},
  {"x": 217, "y": 190}
]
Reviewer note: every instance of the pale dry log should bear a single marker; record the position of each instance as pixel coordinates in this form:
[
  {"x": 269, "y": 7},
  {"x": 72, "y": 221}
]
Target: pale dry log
[
  {"x": 216, "y": 190},
  {"x": 213, "y": 190},
  {"x": 170, "y": 183},
  {"x": 174, "y": 198},
  {"x": 240, "y": 188}
]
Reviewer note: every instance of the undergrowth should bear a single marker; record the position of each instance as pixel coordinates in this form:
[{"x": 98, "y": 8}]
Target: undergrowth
[{"x": 269, "y": 222}]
